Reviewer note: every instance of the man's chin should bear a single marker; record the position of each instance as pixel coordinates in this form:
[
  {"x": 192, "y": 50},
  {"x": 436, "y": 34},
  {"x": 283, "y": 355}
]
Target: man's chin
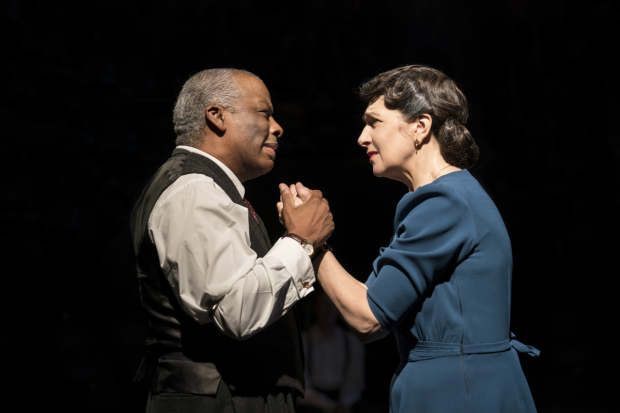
[
  {"x": 265, "y": 167},
  {"x": 268, "y": 167}
]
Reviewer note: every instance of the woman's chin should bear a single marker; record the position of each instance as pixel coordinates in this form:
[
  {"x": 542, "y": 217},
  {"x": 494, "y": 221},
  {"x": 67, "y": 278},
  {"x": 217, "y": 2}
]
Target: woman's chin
[{"x": 377, "y": 171}]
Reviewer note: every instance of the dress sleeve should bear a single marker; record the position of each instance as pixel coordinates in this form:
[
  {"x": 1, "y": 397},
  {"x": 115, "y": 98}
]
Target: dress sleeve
[
  {"x": 371, "y": 279},
  {"x": 434, "y": 229}
]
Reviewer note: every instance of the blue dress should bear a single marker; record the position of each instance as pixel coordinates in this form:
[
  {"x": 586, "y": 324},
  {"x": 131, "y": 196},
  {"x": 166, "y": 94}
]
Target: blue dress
[{"x": 443, "y": 287}]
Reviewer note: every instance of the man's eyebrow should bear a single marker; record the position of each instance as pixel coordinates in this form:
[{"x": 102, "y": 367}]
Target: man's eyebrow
[{"x": 269, "y": 106}]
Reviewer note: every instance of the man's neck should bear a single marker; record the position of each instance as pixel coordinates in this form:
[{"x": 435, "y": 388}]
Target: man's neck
[{"x": 221, "y": 163}]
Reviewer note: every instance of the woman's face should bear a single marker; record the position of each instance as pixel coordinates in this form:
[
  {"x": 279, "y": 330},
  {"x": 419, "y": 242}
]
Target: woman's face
[{"x": 385, "y": 140}]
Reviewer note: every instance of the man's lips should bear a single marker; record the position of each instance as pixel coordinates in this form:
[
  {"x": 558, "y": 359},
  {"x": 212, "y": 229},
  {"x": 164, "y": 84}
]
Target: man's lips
[
  {"x": 271, "y": 148},
  {"x": 372, "y": 154}
]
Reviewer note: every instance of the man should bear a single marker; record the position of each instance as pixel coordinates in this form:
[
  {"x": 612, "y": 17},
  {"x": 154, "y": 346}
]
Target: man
[{"x": 222, "y": 336}]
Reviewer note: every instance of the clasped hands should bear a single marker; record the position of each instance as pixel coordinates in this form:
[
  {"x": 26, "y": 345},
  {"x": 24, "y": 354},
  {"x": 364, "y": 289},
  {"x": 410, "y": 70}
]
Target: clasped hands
[{"x": 306, "y": 213}]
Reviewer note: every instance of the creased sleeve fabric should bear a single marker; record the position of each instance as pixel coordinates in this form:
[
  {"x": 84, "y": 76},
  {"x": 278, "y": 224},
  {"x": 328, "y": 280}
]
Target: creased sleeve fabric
[
  {"x": 434, "y": 228},
  {"x": 203, "y": 243}
]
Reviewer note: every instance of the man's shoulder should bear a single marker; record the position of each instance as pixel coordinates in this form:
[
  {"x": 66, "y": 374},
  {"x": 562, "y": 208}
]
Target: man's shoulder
[
  {"x": 191, "y": 185},
  {"x": 191, "y": 191}
]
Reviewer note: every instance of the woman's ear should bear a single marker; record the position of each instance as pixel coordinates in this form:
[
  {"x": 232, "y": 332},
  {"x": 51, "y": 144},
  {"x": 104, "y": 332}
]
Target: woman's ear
[
  {"x": 214, "y": 116},
  {"x": 422, "y": 126}
]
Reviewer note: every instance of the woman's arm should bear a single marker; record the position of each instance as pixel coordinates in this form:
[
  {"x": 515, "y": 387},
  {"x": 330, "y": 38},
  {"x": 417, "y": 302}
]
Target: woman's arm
[
  {"x": 348, "y": 295},
  {"x": 350, "y": 298}
]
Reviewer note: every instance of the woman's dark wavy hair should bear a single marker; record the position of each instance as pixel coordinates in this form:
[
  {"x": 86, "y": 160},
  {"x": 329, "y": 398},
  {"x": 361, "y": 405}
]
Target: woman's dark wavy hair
[{"x": 417, "y": 89}]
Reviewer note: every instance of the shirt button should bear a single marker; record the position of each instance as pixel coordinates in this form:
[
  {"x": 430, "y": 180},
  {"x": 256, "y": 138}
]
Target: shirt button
[{"x": 305, "y": 284}]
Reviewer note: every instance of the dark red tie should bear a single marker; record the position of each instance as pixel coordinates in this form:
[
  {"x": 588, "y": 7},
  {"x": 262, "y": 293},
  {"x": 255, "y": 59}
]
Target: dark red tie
[{"x": 251, "y": 209}]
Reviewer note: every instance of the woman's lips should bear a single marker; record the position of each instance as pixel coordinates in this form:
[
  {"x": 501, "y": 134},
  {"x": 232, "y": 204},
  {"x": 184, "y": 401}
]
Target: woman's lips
[{"x": 372, "y": 155}]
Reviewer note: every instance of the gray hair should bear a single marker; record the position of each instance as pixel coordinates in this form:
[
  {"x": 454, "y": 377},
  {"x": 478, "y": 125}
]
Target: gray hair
[{"x": 209, "y": 87}]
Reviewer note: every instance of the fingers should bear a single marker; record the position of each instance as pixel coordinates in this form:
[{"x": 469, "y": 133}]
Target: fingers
[
  {"x": 287, "y": 196},
  {"x": 316, "y": 193},
  {"x": 303, "y": 192},
  {"x": 298, "y": 201}
]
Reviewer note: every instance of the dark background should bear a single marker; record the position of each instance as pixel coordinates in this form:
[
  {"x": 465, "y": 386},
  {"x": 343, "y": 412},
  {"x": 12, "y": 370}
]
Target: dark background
[{"x": 89, "y": 88}]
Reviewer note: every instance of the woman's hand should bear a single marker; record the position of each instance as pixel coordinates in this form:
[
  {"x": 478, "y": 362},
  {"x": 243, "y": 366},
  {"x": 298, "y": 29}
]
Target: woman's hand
[{"x": 301, "y": 195}]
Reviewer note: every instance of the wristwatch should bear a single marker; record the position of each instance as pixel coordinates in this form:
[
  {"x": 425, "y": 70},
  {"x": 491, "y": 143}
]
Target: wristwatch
[
  {"x": 323, "y": 248},
  {"x": 305, "y": 244}
]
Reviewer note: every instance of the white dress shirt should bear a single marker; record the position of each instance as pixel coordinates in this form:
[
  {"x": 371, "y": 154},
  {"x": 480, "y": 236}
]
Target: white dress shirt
[{"x": 203, "y": 243}]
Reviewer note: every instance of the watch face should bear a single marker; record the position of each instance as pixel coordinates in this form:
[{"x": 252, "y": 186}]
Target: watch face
[{"x": 309, "y": 248}]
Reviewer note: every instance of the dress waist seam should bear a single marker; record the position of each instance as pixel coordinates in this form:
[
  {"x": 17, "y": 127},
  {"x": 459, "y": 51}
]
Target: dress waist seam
[{"x": 426, "y": 350}]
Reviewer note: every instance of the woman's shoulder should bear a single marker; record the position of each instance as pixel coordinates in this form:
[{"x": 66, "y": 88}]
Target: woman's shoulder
[{"x": 442, "y": 196}]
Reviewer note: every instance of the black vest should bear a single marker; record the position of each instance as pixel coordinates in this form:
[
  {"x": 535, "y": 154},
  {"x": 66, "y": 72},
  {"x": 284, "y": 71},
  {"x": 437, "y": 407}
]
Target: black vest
[{"x": 184, "y": 356}]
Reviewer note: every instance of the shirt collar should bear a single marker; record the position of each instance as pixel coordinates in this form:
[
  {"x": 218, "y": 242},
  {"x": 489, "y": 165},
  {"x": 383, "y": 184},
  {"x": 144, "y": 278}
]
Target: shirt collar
[{"x": 219, "y": 163}]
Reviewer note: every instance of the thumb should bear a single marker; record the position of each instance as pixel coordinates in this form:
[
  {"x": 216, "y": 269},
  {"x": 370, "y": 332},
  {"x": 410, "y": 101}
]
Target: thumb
[
  {"x": 287, "y": 196},
  {"x": 303, "y": 192}
]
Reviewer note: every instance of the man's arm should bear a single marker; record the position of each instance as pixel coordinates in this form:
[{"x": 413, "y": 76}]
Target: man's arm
[{"x": 203, "y": 244}]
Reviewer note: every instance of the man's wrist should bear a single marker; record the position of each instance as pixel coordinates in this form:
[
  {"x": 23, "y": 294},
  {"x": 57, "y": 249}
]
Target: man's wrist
[{"x": 305, "y": 244}]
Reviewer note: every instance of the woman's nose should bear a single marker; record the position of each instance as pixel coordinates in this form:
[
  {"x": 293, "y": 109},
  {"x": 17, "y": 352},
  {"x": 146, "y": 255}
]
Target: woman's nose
[{"x": 364, "y": 139}]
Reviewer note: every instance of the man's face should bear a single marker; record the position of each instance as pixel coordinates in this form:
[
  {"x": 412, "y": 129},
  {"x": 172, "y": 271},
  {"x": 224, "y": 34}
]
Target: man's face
[{"x": 255, "y": 132}]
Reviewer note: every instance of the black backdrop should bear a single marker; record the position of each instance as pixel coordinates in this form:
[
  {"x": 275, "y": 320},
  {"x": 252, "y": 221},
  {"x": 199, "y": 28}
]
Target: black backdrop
[{"x": 89, "y": 89}]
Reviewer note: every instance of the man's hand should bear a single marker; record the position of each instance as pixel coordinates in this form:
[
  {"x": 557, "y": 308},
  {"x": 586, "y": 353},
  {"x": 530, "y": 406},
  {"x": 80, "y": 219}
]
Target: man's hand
[
  {"x": 310, "y": 217},
  {"x": 301, "y": 195}
]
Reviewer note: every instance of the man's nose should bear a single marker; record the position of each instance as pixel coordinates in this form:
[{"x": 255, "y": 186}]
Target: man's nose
[{"x": 275, "y": 129}]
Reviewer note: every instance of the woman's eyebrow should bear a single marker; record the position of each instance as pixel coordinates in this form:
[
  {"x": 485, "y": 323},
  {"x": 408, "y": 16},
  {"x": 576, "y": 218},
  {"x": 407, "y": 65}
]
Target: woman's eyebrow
[{"x": 369, "y": 115}]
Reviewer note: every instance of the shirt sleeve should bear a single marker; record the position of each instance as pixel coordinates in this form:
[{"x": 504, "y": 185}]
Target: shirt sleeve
[
  {"x": 436, "y": 230},
  {"x": 203, "y": 243}
]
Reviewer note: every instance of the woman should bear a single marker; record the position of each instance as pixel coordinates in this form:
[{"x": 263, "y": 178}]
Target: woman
[{"x": 443, "y": 284}]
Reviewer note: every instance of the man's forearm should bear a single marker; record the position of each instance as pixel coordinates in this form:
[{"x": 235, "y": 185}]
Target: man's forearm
[{"x": 275, "y": 283}]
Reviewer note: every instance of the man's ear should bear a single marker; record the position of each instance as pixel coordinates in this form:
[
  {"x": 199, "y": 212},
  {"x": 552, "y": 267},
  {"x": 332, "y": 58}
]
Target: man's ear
[{"x": 214, "y": 116}]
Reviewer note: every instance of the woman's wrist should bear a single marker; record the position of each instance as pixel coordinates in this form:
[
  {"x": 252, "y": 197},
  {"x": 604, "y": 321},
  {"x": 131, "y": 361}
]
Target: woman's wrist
[{"x": 321, "y": 250}]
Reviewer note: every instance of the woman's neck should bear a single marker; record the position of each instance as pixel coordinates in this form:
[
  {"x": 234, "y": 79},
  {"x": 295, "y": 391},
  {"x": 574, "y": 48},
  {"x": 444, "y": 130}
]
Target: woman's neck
[{"x": 424, "y": 168}]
